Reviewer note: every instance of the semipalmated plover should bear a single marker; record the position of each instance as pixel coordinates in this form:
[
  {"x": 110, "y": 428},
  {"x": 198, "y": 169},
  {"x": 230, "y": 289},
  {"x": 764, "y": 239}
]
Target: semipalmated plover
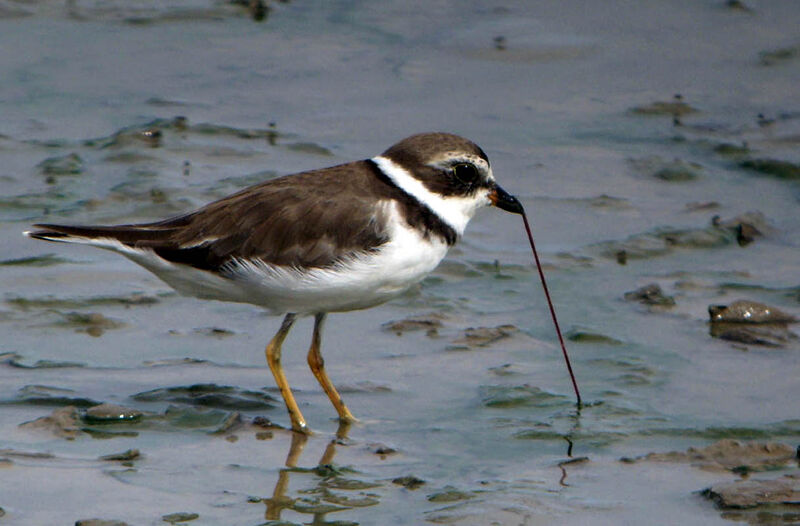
[{"x": 342, "y": 238}]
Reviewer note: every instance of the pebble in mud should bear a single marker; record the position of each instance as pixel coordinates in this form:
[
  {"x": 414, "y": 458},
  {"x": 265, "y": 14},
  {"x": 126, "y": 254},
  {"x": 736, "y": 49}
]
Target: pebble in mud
[
  {"x": 111, "y": 413},
  {"x": 747, "y": 311}
]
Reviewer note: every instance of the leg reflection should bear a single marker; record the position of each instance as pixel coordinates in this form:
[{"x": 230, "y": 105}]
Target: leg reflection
[{"x": 279, "y": 500}]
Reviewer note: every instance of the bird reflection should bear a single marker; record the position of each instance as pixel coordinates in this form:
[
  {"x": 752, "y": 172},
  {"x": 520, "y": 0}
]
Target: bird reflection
[{"x": 281, "y": 501}]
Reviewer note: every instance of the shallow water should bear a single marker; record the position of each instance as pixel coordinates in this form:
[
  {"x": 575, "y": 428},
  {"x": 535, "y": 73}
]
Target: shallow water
[{"x": 90, "y": 134}]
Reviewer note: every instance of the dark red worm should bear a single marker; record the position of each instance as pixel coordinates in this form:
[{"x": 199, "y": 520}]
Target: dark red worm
[{"x": 552, "y": 309}]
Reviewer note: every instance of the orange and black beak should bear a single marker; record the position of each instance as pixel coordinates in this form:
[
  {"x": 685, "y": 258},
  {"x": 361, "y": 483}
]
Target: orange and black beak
[{"x": 505, "y": 201}]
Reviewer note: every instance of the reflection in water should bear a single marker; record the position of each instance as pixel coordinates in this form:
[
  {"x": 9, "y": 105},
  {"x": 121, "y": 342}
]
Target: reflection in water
[
  {"x": 763, "y": 334},
  {"x": 321, "y": 500},
  {"x": 576, "y": 424}
]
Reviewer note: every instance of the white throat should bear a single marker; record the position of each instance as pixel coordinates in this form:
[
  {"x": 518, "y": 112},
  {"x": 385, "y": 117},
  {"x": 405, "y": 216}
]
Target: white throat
[{"x": 455, "y": 211}]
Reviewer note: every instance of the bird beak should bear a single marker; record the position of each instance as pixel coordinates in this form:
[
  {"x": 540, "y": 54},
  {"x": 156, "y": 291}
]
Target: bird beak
[{"x": 505, "y": 201}]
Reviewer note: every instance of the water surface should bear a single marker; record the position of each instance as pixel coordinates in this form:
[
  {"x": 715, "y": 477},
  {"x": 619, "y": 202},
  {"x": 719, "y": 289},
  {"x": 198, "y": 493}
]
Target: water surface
[{"x": 127, "y": 112}]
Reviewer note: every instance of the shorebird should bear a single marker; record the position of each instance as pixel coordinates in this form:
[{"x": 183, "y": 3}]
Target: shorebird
[{"x": 336, "y": 239}]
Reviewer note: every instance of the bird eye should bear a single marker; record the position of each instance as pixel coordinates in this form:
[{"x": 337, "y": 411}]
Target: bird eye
[{"x": 465, "y": 173}]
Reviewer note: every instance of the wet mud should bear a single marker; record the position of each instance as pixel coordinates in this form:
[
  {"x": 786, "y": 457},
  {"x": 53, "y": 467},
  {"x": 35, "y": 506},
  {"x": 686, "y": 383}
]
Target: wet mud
[{"x": 663, "y": 198}]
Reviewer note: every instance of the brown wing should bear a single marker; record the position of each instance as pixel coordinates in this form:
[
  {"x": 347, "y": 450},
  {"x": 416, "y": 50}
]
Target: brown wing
[{"x": 311, "y": 219}]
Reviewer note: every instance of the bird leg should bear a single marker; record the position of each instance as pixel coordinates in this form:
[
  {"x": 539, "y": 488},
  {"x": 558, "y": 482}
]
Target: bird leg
[
  {"x": 273, "y": 352},
  {"x": 317, "y": 365}
]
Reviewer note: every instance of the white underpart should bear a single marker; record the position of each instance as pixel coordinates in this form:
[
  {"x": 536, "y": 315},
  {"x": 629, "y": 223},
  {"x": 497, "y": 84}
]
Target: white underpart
[
  {"x": 362, "y": 281},
  {"x": 456, "y": 211}
]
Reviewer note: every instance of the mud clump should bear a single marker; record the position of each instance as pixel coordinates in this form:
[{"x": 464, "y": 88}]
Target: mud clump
[
  {"x": 181, "y": 516},
  {"x": 209, "y": 395},
  {"x": 92, "y": 323},
  {"x": 777, "y": 168},
  {"x": 586, "y": 336},
  {"x": 729, "y": 455},
  {"x": 675, "y": 107},
  {"x": 676, "y": 170},
  {"x": 660, "y": 241},
  {"x": 70, "y": 164},
  {"x": 743, "y": 494},
  {"x": 483, "y": 336},
  {"x": 51, "y": 396},
  {"x": 430, "y": 323},
  {"x": 64, "y": 422},
  {"x": 409, "y": 482},
  {"x": 449, "y": 494},
  {"x": 364, "y": 387},
  {"x": 650, "y": 295},
  {"x": 503, "y": 397},
  {"x": 214, "y": 332},
  {"x": 731, "y": 150},
  {"x": 778, "y": 56},
  {"x": 382, "y": 450},
  {"x": 746, "y": 227},
  {"x": 125, "y": 456},
  {"x": 100, "y": 522}
]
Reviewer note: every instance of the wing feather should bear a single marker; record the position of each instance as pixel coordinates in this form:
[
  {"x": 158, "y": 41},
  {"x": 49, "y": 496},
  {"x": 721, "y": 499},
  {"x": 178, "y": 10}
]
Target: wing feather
[{"x": 311, "y": 219}]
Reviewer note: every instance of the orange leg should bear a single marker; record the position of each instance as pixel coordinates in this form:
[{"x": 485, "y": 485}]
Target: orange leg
[
  {"x": 317, "y": 365},
  {"x": 273, "y": 352}
]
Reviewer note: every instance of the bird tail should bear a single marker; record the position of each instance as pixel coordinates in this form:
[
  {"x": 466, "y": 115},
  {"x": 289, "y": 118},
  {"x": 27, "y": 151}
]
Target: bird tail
[{"x": 91, "y": 235}]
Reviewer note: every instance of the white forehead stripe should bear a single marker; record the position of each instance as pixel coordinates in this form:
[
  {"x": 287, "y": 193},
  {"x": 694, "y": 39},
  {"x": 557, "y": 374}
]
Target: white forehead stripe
[{"x": 455, "y": 211}]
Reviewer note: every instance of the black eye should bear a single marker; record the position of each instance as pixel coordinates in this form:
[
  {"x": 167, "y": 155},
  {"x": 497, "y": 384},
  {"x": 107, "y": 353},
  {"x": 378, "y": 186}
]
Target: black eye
[{"x": 465, "y": 173}]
